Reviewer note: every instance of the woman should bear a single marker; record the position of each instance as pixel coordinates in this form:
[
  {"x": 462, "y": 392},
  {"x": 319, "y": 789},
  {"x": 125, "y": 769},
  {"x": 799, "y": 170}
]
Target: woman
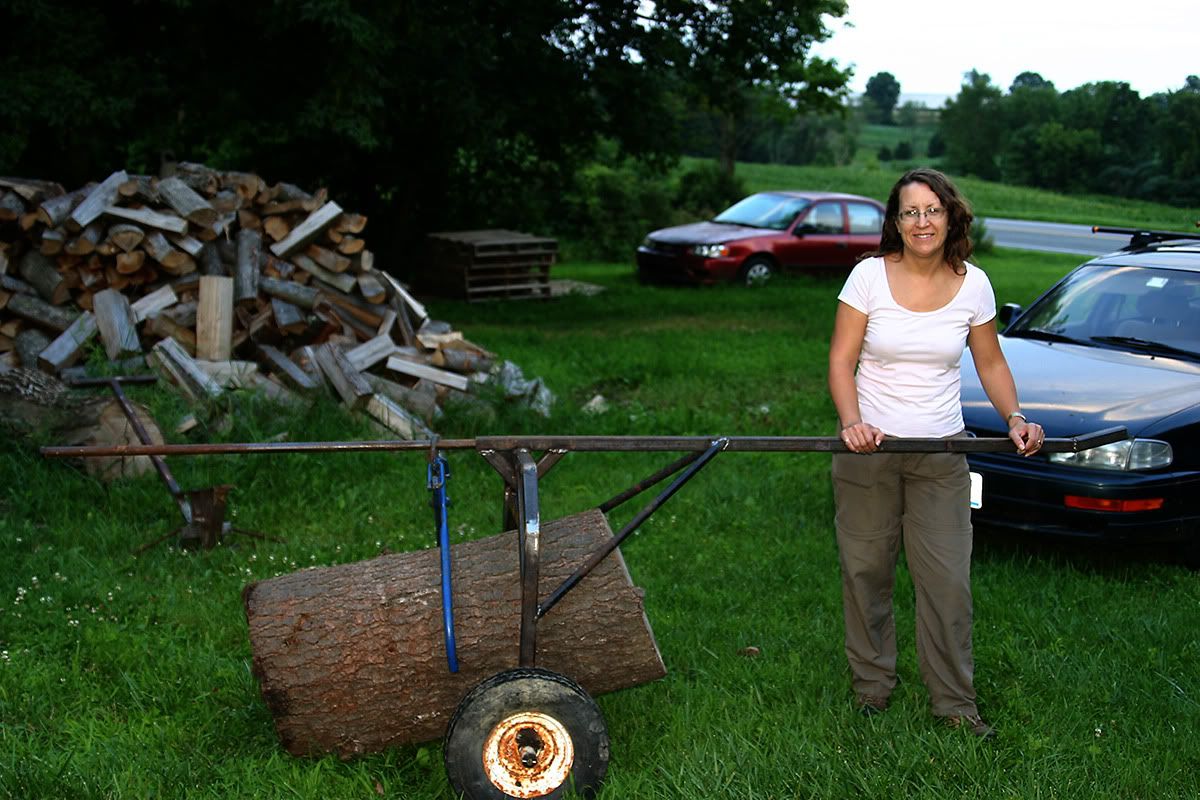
[{"x": 903, "y": 319}]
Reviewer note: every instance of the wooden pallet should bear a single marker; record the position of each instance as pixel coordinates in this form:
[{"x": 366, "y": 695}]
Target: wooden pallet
[{"x": 489, "y": 265}]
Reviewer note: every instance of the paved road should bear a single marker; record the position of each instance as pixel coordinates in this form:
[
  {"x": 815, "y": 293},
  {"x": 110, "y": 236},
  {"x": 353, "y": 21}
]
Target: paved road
[{"x": 1053, "y": 237}]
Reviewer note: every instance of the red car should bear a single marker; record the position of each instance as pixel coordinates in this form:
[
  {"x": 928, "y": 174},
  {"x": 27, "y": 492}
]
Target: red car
[{"x": 762, "y": 234}]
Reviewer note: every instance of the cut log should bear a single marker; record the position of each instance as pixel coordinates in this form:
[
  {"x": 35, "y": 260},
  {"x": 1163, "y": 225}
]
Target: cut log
[
  {"x": 34, "y": 309},
  {"x": 118, "y": 328},
  {"x": 126, "y": 236},
  {"x": 149, "y": 219},
  {"x": 11, "y": 206},
  {"x": 230, "y": 374},
  {"x": 186, "y": 202},
  {"x": 418, "y": 310},
  {"x": 350, "y": 223},
  {"x": 421, "y": 399},
  {"x": 360, "y": 309},
  {"x": 44, "y": 277},
  {"x": 346, "y": 380},
  {"x": 406, "y": 367},
  {"x": 351, "y": 245},
  {"x": 129, "y": 263},
  {"x": 210, "y": 260},
  {"x": 162, "y": 326},
  {"x": 351, "y": 659},
  {"x": 327, "y": 258},
  {"x": 143, "y": 188},
  {"x": 286, "y": 369},
  {"x": 307, "y": 230},
  {"x": 150, "y": 304},
  {"x": 29, "y": 344},
  {"x": 182, "y": 371},
  {"x": 54, "y": 211},
  {"x": 291, "y": 292},
  {"x": 173, "y": 261},
  {"x": 371, "y": 288},
  {"x": 461, "y": 360},
  {"x": 246, "y": 274},
  {"x": 33, "y": 191},
  {"x": 96, "y": 201},
  {"x": 341, "y": 282},
  {"x": 392, "y": 416},
  {"x": 188, "y": 244},
  {"x": 371, "y": 352},
  {"x": 288, "y": 318},
  {"x": 68, "y": 347},
  {"x": 277, "y": 228},
  {"x": 85, "y": 243},
  {"x": 214, "y": 319}
]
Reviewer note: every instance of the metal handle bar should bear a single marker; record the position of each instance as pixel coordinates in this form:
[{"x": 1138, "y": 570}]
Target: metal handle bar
[{"x": 622, "y": 444}]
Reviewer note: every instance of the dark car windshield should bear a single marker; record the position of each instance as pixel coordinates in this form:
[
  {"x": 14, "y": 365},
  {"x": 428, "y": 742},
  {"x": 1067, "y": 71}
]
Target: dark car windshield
[
  {"x": 766, "y": 210},
  {"x": 1129, "y": 308}
]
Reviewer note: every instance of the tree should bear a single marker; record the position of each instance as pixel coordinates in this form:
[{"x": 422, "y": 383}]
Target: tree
[
  {"x": 1029, "y": 80},
  {"x": 883, "y": 90},
  {"x": 720, "y": 50},
  {"x": 972, "y": 127}
]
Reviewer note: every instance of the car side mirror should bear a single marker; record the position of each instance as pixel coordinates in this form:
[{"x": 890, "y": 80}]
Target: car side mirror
[
  {"x": 1008, "y": 312},
  {"x": 803, "y": 228}
]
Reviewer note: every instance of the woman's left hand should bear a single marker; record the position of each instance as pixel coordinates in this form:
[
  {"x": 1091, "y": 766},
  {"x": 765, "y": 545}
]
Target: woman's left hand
[{"x": 1028, "y": 437}]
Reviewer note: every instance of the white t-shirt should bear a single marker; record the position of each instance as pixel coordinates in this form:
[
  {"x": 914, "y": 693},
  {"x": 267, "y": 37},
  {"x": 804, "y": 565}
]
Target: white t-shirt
[{"x": 908, "y": 371}]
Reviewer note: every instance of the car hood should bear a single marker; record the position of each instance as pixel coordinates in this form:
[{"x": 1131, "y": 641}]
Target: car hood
[
  {"x": 1073, "y": 389},
  {"x": 707, "y": 233}
]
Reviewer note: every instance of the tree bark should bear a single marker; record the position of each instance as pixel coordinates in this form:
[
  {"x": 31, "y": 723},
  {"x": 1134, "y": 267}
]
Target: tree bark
[{"x": 351, "y": 659}]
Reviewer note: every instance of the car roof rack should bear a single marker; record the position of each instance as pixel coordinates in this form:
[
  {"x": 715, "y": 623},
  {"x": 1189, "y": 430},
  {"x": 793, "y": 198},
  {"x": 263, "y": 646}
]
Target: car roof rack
[{"x": 1139, "y": 237}]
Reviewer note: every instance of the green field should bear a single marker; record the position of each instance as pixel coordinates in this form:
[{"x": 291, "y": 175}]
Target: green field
[
  {"x": 987, "y": 198},
  {"x": 129, "y": 677}
]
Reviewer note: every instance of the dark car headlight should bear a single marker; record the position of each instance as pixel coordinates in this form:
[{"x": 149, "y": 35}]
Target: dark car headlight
[
  {"x": 711, "y": 250},
  {"x": 1131, "y": 454}
]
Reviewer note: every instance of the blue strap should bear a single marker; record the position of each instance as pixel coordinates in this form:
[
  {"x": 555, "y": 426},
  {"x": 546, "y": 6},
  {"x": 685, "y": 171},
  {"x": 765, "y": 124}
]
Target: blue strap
[{"x": 437, "y": 474}]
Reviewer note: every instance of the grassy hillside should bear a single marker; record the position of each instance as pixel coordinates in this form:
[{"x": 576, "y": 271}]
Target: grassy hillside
[{"x": 988, "y": 198}]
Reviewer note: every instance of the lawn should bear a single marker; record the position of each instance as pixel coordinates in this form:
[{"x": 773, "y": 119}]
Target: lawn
[{"x": 129, "y": 677}]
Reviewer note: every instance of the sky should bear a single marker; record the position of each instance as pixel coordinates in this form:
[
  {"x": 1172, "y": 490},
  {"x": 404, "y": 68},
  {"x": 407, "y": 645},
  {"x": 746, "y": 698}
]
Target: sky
[{"x": 1152, "y": 45}]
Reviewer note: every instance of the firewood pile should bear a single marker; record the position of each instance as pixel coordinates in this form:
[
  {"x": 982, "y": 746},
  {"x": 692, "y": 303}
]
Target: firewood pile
[{"x": 218, "y": 280}]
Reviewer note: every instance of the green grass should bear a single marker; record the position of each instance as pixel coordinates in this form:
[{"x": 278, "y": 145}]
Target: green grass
[
  {"x": 127, "y": 677},
  {"x": 872, "y": 137}
]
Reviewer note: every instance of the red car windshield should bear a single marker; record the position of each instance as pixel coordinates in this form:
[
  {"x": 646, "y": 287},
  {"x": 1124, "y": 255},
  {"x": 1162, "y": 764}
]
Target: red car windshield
[{"x": 766, "y": 210}]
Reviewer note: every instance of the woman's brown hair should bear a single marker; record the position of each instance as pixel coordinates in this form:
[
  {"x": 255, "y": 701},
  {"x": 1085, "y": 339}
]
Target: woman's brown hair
[{"x": 958, "y": 246}]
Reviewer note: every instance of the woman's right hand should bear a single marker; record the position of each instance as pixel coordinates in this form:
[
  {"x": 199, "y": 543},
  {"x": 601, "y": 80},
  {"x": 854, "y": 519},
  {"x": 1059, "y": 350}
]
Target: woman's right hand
[{"x": 861, "y": 437}]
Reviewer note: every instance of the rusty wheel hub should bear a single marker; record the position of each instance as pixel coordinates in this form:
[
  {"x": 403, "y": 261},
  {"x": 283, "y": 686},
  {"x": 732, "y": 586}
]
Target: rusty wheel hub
[{"x": 528, "y": 755}]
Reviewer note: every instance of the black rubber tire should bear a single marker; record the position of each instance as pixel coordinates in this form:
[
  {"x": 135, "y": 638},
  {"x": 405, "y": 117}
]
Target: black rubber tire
[
  {"x": 516, "y": 691},
  {"x": 756, "y": 271}
]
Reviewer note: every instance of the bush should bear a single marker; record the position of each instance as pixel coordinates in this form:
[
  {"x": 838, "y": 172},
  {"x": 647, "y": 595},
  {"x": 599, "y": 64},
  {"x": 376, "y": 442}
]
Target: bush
[
  {"x": 704, "y": 191},
  {"x": 981, "y": 238},
  {"x": 937, "y": 146},
  {"x": 885, "y": 153},
  {"x": 903, "y": 151},
  {"x": 608, "y": 208}
]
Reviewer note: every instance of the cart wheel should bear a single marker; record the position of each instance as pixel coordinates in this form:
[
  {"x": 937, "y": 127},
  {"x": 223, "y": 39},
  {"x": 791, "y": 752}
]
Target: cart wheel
[{"x": 526, "y": 733}]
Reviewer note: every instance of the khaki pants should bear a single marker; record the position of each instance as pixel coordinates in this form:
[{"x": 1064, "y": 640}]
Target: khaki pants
[{"x": 923, "y": 497}]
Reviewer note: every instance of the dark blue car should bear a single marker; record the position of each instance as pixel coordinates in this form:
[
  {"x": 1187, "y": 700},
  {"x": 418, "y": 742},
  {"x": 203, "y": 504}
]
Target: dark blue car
[{"x": 1114, "y": 343}]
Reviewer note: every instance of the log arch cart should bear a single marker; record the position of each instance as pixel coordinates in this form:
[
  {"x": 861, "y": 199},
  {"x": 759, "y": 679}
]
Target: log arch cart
[{"x": 357, "y": 658}]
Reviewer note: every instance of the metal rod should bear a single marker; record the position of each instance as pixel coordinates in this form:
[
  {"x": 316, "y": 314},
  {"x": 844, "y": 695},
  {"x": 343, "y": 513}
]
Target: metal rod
[
  {"x": 529, "y": 534},
  {"x": 646, "y": 483},
  {"x": 615, "y": 542},
  {"x": 164, "y": 472},
  {"x": 609, "y": 444}
]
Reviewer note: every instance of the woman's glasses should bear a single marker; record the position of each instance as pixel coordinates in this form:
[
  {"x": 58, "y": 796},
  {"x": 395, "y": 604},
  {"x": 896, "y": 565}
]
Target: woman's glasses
[{"x": 911, "y": 215}]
